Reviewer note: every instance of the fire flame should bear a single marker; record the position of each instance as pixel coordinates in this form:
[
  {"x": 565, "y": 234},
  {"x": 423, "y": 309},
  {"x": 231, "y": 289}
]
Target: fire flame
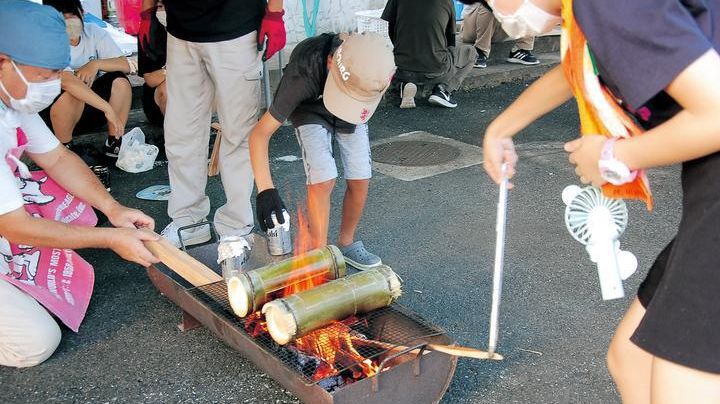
[
  {"x": 298, "y": 282},
  {"x": 255, "y": 325},
  {"x": 333, "y": 345}
]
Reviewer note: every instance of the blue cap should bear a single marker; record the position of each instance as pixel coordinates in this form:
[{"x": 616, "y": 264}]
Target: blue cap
[{"x": 33, "y": 35}]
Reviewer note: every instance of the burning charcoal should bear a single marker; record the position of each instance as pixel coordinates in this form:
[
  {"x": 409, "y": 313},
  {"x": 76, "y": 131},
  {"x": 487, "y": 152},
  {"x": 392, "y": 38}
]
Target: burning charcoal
[
  {"x": 305, "y": 363},
  {"x": 331, "y": 384},
  {"x": 287, "y": 355}
]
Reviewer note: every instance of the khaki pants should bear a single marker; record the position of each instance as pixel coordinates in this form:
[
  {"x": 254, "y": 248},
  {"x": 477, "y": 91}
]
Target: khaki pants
[
  {"x": 463, "y": 57},
  {"x": 481, "y": 28},
  {"x": 197, "y": 74},
  {"x": 28, "y": 334}
]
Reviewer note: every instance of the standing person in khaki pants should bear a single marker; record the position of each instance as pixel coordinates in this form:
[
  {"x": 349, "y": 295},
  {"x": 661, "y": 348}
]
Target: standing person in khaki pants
[
  {"x": 213, "y": 54},
  {"x": 481, "y": 28}
]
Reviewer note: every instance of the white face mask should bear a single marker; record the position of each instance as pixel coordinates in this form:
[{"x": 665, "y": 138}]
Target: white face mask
[
  {"x": 527, "y": 20},
  {"x": 38, "y": 96},
  {"x": 162, "y": 17},
  {"x": 74, "y": 27}
]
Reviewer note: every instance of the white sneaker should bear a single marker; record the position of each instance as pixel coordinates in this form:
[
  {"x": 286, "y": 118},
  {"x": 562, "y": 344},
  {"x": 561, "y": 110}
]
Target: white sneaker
[
  {"x": 197, "y": 235},
  {"x": 407, "y": 93}
]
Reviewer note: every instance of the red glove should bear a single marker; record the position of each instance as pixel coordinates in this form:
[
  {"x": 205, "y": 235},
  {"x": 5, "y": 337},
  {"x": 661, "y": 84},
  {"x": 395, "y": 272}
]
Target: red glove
[
  {"x": 144, "y": 31},
  {"x": 273, "y": 27}
]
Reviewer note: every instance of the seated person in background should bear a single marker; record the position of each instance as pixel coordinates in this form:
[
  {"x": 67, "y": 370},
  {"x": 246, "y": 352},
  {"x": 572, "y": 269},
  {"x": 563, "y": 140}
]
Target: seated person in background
[
  {"x": 152, "y": 58},
  {"x": 96, "y": 89},
  {"x": 481, "y": 28},
  {"x": 331, "y": 87},
  {"x": 423, "y": 33}
]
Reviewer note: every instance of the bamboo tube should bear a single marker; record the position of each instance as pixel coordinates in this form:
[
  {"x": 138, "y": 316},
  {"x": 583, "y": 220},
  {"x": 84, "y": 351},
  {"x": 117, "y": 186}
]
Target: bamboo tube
[
  {"x": 296, "y": 315},
  {"x": 248, "y": 291},
  {"x": 214, "y": 164}
]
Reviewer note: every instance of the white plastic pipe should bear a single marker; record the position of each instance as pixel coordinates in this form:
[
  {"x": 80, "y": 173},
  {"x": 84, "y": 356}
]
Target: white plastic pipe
[{"x": 499, "y": 262}]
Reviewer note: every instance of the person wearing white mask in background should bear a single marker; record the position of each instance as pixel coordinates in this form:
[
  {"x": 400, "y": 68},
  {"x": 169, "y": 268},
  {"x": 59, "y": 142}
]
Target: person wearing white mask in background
[
  {"x": 482, "y": 29},
  {"x": 646, "y": 77},
  {"x": 29, "y": 81},
  {"x": 96, "y": 89}
]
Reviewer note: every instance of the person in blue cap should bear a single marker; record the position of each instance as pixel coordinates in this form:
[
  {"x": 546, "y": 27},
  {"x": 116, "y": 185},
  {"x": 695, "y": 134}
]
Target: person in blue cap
[{"x": 33, "y": 51}]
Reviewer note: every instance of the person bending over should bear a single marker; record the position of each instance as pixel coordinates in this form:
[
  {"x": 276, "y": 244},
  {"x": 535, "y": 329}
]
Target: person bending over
[{"x": 329, "y": 90}]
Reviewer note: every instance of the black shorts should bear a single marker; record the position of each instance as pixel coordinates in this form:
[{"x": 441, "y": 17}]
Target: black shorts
[
  {"x": 152, "y": 112},
  {"x": 681, "y": 291},
  {"x": 92, "y": 119}
]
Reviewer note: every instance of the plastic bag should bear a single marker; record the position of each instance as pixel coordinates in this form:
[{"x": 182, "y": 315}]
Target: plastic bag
[{"x": 135, "y": 155}]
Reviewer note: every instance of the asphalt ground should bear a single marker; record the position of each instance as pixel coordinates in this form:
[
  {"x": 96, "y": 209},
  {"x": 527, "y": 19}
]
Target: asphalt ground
[{"x": 437, "y": 233}]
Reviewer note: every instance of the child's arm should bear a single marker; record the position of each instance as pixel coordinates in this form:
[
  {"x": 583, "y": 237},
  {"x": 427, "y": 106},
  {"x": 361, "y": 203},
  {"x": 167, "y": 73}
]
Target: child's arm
[
  {"x": 88, "y": 72},
  {"x": 155, "y": 78},
  {"x": 259, "y": 153},
  {"x": 275, "y": 5},
  {"x": 82, "y": 92},
  {"x": 692, "y": 133},
  {"x": 544, "y": 95},
  {"x": 268, "y": 199}
]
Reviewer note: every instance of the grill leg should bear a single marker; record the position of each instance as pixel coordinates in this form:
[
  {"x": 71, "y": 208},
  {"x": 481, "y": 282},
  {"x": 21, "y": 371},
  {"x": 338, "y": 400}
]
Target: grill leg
[{"x": 188, "y": 322}]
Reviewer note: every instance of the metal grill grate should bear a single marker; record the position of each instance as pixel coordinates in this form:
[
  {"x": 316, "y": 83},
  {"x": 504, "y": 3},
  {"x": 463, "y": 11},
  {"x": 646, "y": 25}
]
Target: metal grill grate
[{"x": 392, "y": 326}]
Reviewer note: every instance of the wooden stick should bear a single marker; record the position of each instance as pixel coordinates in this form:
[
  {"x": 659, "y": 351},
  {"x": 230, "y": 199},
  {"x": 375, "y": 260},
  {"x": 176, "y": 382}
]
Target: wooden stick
[
  {"x": 454, "y": 350},
  {"x": 466, "y": 352},
  {"x": 182, "y": 264},
  {"x": 214, "y": 165}
]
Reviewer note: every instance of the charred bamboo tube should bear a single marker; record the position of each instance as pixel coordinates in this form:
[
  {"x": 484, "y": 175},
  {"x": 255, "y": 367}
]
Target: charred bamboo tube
[
  {"x": 297, "y": 315},
  {"x": 249, "y": 290}
]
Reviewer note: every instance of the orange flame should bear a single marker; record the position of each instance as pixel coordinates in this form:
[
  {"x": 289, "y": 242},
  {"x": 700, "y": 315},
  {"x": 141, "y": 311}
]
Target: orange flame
[
  {"x": 298, "y": 282},
  {"x": 255, "y": 325},
  {"x": 333, "y": 345}
]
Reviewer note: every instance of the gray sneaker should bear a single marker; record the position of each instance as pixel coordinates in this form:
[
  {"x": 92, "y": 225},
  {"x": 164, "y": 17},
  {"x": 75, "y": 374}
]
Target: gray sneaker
[
  {"x": 360, "y": 258},
  {"x": 197, "y": 235}
]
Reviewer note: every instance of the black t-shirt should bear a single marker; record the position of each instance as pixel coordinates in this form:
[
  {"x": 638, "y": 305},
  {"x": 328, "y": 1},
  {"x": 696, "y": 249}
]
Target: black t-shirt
[
  {"x": 153, "y": 56},
  {"x": 213, "y": 20},
  {"x": 299, "y": 95},
  {"x": 421, "y": 32},
  {"x": 641, "y": 46}
]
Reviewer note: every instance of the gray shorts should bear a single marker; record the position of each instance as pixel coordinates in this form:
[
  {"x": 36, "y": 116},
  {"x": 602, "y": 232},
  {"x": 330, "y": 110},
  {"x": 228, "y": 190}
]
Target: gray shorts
[{"x": 317, "y": 152}]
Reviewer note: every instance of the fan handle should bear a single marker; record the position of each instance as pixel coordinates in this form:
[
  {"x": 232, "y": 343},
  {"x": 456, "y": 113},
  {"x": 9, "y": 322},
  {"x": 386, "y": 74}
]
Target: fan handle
[{"x": 611, "y": 284}]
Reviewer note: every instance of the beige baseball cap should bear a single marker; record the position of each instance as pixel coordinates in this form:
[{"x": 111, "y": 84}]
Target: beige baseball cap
[{"x": 360, "y": 73}]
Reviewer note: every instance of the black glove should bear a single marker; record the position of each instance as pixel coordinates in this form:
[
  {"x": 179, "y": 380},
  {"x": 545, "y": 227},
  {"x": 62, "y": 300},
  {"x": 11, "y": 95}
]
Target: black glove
[{"x": 267, "y": 202}]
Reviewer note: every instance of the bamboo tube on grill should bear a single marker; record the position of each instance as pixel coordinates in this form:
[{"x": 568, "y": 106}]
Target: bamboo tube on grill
[
  {"x": 249, "y": 290},
  {"x": 296, "y": 315}
]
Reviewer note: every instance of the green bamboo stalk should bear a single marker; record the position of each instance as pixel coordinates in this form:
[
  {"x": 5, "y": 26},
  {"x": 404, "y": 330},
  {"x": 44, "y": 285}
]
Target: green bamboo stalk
[
  {"x": 248, "y": 291},
  {"x": 297, "y": 315}
]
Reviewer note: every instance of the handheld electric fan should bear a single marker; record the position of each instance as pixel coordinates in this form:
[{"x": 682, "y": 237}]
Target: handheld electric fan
[{"x": 597, "y": 222}]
